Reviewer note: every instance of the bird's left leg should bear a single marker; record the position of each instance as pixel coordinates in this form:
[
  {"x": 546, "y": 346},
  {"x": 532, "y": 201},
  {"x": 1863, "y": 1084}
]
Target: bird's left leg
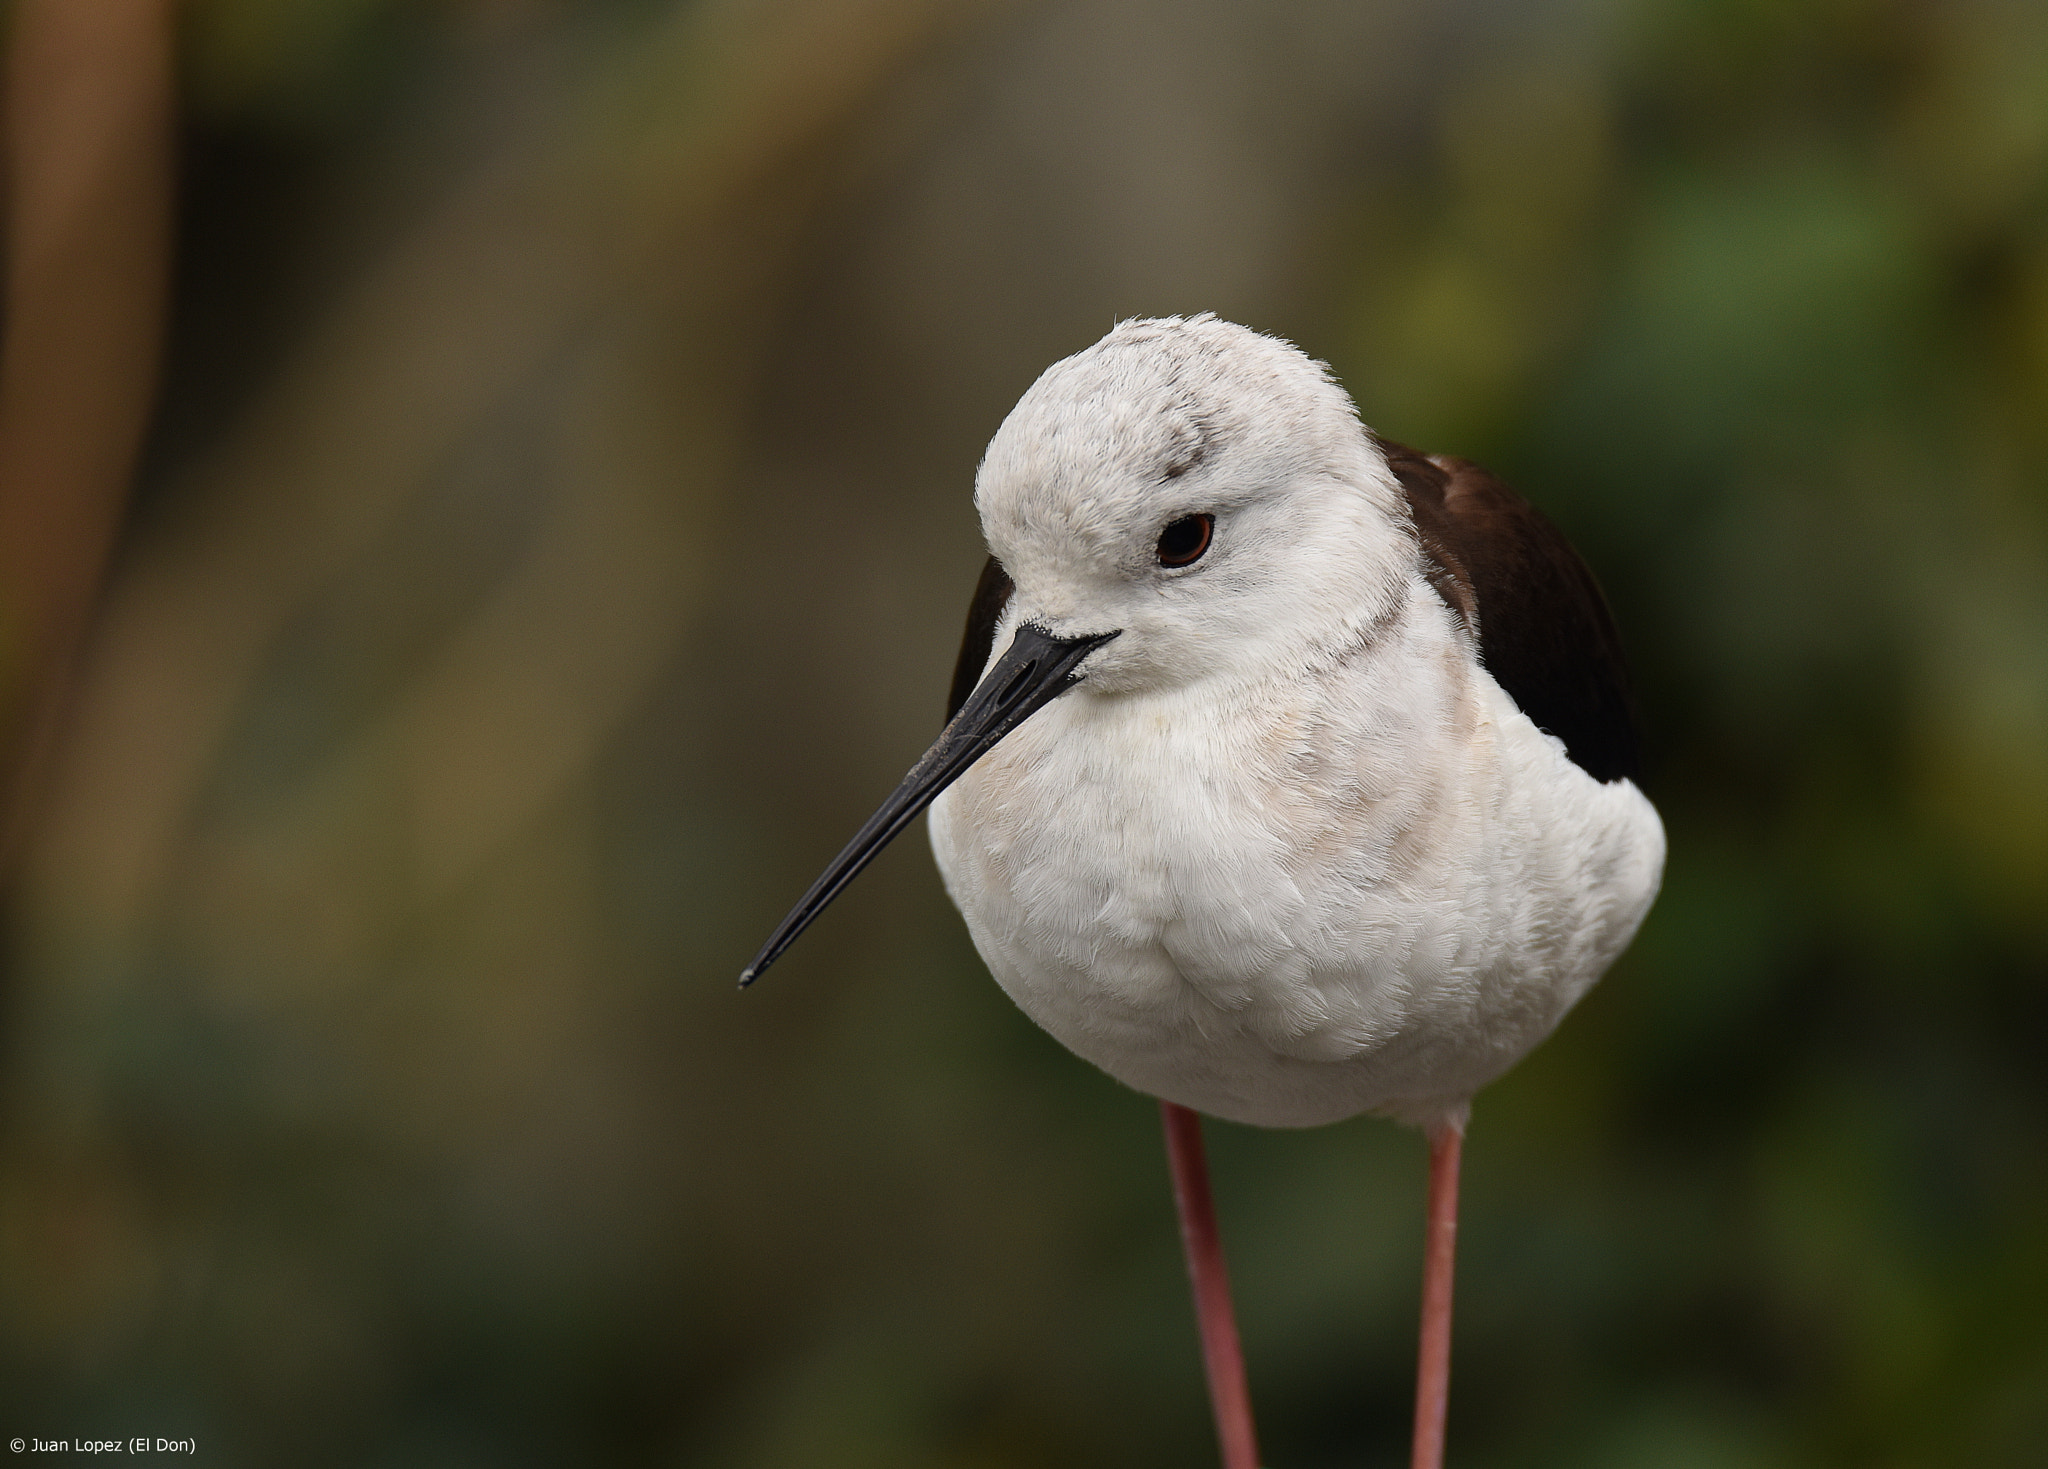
[{"x": 1433, "y": 1367}]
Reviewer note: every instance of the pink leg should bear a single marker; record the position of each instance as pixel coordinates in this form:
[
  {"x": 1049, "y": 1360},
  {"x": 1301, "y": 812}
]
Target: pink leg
[
  {"x": 1433, "y": 1370},
  {"x": 1221, "y": 1354}
]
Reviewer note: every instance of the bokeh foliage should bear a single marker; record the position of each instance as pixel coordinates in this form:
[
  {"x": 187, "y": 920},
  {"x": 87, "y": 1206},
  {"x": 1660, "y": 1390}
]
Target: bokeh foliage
[{"x": 555, "y": 539}]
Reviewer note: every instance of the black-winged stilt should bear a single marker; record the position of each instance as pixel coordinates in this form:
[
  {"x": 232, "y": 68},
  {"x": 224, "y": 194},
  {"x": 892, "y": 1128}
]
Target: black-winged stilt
[{"x": 1339, "y": 813}]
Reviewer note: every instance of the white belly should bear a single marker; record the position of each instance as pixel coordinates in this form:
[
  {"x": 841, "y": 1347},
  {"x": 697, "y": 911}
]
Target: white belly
[{"x": 1290, "y": 908}]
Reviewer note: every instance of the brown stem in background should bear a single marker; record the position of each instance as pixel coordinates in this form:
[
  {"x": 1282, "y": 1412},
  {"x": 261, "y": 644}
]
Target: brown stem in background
[{"x": 86, "y": 132}]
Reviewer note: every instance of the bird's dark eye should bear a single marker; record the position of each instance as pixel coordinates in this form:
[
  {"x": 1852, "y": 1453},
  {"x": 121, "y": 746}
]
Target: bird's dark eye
[{"x": 1183, "y": 541}]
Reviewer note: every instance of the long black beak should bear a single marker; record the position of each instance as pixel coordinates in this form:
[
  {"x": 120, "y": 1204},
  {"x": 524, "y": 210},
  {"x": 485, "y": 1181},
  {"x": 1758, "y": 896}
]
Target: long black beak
[{"x": 1037, "y": 669}]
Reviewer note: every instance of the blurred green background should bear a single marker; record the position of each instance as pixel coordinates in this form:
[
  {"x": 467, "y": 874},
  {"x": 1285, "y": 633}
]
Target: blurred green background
[{"x": 554, "y": 539}]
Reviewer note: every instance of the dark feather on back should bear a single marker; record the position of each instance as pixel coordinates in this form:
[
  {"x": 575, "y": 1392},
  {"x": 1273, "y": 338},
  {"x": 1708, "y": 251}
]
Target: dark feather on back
[
  {"x": 1545, "y": 633},
  {"x": 991, "y": 596}
]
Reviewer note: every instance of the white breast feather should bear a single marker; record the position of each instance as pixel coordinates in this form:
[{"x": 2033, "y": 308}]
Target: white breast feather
[{"x": 1290, "y": 902}]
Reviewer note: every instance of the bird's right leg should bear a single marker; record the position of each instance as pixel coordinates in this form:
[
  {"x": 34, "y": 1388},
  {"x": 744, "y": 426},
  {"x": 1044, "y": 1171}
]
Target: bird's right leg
[{"x": 1221, "y": 1354}]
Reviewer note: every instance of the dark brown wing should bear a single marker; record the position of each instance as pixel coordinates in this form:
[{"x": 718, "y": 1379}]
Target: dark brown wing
[
  {"x": 991, "y": 596},
  {"x": 1545, "y": 633}
]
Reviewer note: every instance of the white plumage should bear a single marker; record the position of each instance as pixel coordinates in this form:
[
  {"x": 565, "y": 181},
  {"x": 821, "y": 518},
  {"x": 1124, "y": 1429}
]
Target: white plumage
[
  {"x": 1287, "y": 853},
  {"x": 1244, "y": 795}
]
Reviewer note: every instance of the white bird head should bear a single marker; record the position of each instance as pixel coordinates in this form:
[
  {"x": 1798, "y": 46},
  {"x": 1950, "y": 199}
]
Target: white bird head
[
  {"x": 1206, "y": 491},
  {"x": 1184, "y": 500}
]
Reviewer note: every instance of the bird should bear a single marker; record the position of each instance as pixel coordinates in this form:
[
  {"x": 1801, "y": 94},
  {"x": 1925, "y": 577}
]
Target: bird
[{"x": 1289, "y": 774}]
